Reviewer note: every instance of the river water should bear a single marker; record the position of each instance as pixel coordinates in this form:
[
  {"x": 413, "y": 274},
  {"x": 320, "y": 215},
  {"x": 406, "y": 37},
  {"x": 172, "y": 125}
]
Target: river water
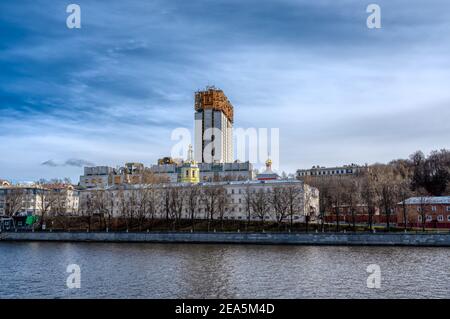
[{"x": 38, "y": 270}]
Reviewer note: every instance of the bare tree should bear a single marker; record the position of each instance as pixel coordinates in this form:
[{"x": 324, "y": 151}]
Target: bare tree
[
  {"x": 294, "y": 201},
  {"x": 111, "y": 204},
  {"x": 260, "y": 205},
  {"x": 176, "y": 205},
  {"x": 280, "y": 203},
  {"x": 144, "y": 201},
  {"x": 210, "y": 196},
  {"x": 152, "y": 204},
  {"x": 166, "y": 200},
  {"x": 13, "y": 200},
  {"x": 403, "y": 193},
  {"x": 223, "y": 202},
  {"x": 368, "y": 195},
  {"x": 87, "y": 206},
  {"x": 248, "y": 205},
  {"x": 423, "y": 202},
  {"x": 46, "y": 198},
  {"x": 309, "y": 209},
  {"x": 351, "y": 193},
  {"x": 337, "y": 198},
  {"x": 193, "y": 202},
  {"x": 386, "y": 188},
  {"x": 100, "y": 205}
]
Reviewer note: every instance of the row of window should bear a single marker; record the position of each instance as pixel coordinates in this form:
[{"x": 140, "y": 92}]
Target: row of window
[
  {"x": 332, "y": 172},
  {"x": 429, "y": 218},
  {"x": 433, "y": 208},
  {"x": 240, "y": 191}
]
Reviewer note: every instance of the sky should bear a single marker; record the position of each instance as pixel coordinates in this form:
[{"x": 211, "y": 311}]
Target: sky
[{"x": 114, "y": 90}]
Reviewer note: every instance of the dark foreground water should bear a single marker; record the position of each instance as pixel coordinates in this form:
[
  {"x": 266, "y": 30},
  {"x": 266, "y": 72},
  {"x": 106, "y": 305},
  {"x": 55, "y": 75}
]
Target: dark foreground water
[{"x": 38, "y": 270}]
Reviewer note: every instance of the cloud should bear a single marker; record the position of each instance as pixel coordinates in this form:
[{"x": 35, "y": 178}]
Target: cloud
[
  {"x": 70, "y": 162},
  {"x": 78, "y": 162},
  {"x": 113, "y": 91},
  {"x": 50, "y": 163}
]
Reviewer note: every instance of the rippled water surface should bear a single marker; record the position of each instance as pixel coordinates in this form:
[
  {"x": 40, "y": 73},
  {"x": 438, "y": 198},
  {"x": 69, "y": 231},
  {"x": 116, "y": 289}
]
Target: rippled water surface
[{"x": 38, "y": 270}]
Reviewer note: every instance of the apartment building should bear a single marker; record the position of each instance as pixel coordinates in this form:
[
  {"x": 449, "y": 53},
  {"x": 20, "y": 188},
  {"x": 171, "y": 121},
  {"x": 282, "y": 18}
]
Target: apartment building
[
  {"x": 322, "y": 171},
  {"x": 32, "y": 199},
  {"x": 434, "y": 209},
  {"x": 237, "y": 199}
]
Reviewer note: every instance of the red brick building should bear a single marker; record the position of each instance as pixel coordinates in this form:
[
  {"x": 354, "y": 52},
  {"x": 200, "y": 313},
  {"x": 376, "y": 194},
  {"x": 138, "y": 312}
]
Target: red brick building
[{"x": 434, "y": 211}]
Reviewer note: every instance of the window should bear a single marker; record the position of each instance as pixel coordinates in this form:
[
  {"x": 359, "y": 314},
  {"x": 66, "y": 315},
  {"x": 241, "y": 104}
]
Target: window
[
  {"x": 240, "y": 200},
  {"x": 448, "y": 218},
  {"x": 448, "y": 208},
  {"x": 433, "y": 208},
  {"x": 440, "y": 218},
  {"x": 419, "y": 218},
  {"x": 429, "y": 218},
  {"x": 419, "y": 209},
  {"x": 232, "y": 191}
]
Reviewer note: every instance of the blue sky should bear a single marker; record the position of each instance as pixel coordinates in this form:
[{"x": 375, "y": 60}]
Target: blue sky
[{"x": 114, "y": 90}]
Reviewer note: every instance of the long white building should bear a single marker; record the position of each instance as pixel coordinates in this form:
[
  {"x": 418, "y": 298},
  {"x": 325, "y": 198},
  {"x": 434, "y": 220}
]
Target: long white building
[{"x": 236, "y": 200}]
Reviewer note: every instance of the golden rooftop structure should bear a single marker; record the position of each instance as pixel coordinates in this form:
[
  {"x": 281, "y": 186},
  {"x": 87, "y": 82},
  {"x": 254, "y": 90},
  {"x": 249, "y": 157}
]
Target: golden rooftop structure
[{"x": 214, "y": 99}]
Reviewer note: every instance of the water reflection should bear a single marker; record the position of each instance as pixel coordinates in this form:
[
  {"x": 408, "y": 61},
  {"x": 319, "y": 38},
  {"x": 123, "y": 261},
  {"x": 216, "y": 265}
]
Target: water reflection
[{"x": 38, "y": 270}]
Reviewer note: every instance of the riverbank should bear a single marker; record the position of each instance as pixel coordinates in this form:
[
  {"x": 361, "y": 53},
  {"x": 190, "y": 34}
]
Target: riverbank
[{"x": 343, "y": 239}]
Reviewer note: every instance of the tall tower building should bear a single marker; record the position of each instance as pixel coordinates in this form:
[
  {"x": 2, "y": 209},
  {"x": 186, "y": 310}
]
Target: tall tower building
[{"x": 213, "y": 127}]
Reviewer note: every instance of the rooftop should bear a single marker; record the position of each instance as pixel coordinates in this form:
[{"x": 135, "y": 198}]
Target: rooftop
[{"x": 428, "y": 200}]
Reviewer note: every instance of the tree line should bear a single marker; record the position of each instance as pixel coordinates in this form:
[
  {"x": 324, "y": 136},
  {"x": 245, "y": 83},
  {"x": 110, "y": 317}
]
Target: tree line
[
  {"x": 383, "y": 186},
  {"x": 174, "y": 203}
]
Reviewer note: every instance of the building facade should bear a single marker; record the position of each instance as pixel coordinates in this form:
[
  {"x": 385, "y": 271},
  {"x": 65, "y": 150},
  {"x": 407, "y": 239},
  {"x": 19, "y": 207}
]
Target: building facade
[
  {"x": 103, "y": 176},
  {"x": 33, "y": 199},
  {"x": 433, "y": 212},
  {"x": 236, "y": 200},
  {"x": 213, "y": 127},
  {"x": 321, "y": 171}
]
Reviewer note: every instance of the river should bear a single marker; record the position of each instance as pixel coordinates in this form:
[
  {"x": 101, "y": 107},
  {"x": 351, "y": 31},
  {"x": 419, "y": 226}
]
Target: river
[{"x": 38, "y": 270}]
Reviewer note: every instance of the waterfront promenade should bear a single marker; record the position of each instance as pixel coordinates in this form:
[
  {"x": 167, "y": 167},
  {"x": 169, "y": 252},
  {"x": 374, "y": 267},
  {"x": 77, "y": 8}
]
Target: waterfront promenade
[{"x": 267, "y": 238}]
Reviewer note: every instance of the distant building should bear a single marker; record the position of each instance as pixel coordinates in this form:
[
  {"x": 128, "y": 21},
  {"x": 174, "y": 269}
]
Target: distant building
[
  {"x": 321, "y": 171},
  {"x": 32, "y": 199},
  {"x": 268, "y": 174},
  {"x": 209, "y": 172},
  {"x": 104, "y": 176},
  {"x": 133, "y": 173},
  {"x": 189, "y": 171},
  {"x": 213, "y": 127},
  {"x": 435, "y": 210},
  {"x": 97, "y": 176}
]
